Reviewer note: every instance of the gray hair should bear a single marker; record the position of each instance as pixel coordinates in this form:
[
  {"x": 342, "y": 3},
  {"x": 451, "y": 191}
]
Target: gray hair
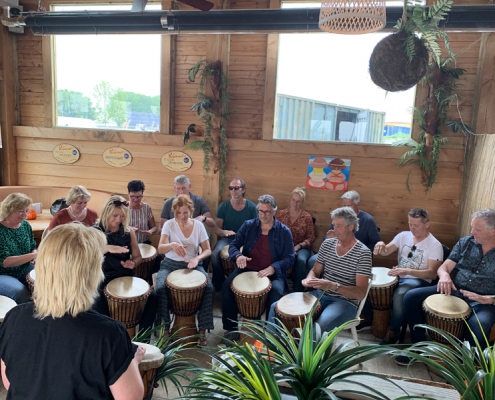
[
  {"x": 487, "y": 215},
  {"x": 419, "y": 213},
  {"x": 182, "y": 179},
  {"x": 267, "y": 199},
  {"x": 352, "y": 195},
  {"x": 349, "y": 216}
]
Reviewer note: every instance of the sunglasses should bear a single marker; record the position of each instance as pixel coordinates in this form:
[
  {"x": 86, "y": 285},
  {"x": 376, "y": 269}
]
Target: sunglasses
[
  {"x": 135, "y": 197},
  {"x": 118, "y": 203},
  {"x": 411, "y": 252},
  {"x": 235, "y": 187}
]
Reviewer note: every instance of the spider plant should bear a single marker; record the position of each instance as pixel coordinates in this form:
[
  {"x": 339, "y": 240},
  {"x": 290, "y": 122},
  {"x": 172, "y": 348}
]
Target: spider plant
[{"x": 469, "y": 369}]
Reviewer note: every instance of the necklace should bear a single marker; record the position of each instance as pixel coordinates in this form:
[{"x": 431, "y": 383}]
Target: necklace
[{"x": 75, "y": 217}]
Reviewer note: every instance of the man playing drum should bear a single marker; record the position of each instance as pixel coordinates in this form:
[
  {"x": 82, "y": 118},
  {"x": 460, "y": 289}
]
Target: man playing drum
[
  {"x": 267, "y": 249},
  {"x": 468, "y": 273},
  {"x": 342, "y": 270},
  {"x": 419, "y": 256},
  {"x": 231, "y": 215}
]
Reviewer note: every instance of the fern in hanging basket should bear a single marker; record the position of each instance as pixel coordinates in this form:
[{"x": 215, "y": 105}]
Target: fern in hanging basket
[{"x": 400, "y": 60}]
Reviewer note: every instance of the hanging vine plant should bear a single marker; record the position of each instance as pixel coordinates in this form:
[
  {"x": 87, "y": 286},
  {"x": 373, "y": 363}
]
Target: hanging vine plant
[
  {"x": 213, "y": 110},
  {"x": 432, "y": 118}
]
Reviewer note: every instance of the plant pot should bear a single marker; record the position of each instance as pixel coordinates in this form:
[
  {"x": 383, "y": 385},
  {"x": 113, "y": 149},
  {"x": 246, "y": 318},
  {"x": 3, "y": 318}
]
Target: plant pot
[{"x": 390, "y": 67}]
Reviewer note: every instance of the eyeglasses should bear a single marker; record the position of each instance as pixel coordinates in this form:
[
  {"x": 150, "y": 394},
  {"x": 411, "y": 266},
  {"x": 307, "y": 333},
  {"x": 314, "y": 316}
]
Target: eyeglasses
[
  {"x": 135, "y": 197},
  {"x": 413, "y": 249},
  {"x": 118, "y": 203},
  {"x": 265, "y": 212},
  {"x": 235, "y": 187}
]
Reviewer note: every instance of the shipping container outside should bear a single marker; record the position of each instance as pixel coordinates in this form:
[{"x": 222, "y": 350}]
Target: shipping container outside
[{"x": 297, "y": 118}]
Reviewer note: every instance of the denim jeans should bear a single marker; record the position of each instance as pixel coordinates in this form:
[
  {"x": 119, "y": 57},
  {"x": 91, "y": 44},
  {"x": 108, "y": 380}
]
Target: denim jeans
[
  {"x": 300, "y": 269},
  {"x": 413, "y": 302},
  {"x": 15, "y": 288},
  {"x": 311, "y": 261},
  {"x": 218, "y": 276}
]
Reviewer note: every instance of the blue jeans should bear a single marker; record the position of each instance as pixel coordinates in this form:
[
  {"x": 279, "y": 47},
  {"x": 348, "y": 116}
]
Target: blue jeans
[
  {"x": 311, "y": 261},
  {"x": 335, "y": 312},
  {"x": 300, "y": 270},
  {"x": 218, "y": 275},
  {"x": 413, "y": 302},
  {"x": 15, "y": 288}
]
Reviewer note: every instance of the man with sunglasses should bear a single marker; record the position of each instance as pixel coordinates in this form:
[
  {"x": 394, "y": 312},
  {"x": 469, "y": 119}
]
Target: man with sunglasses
[
  {"x": 231, "y": 214},
  {"x": 419, "y": 256}
]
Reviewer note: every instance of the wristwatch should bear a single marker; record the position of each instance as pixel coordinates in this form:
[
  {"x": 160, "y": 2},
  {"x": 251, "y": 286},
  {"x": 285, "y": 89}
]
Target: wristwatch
[{"x": 337, "y": 287}]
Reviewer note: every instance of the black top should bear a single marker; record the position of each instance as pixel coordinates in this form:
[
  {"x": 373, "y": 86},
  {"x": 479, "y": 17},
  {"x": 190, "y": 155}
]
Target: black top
[{"x": 63, "y": 358}]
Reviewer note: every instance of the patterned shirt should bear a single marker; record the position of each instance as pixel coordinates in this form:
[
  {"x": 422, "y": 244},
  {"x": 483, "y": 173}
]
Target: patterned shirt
[
  {"x": 302, "y": 229},
  {"x": 15, "y": 242},
  {"x": 343, "y": 269},
  {"x": 139, "y": 218}
]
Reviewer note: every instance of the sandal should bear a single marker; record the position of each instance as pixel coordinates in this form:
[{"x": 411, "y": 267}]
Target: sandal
[{"x": 202, "y": 342}]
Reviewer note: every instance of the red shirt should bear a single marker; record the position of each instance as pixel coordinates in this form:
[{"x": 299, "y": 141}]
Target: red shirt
[
  {"x": 260, "y": 255},
  {"x": 302, "y": 229},
  {"x": 63, "y": 217}
]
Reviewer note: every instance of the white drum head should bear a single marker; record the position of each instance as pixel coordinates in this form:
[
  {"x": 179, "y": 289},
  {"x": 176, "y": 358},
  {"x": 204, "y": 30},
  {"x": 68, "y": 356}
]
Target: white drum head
[
  {"x": 147, "y": 251},
  {"x": 32, "y": 275},
  {"x": 6, "y": 304},
  {"x": 250, "y": 283},
  {"x": 447, "y": 306},
  {"x": 185, "y": 279},
  {"x": 382, "y": 279},
  {"x": 153, "y": 358},
  {"x": 224, "y": 253},
  {"x": 127, "y": 287},
  {"x": 297, "y": 303}
]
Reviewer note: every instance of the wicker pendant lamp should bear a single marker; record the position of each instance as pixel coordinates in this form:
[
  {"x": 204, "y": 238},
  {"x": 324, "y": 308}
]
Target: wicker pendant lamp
[{"x": 352, "y": 17}]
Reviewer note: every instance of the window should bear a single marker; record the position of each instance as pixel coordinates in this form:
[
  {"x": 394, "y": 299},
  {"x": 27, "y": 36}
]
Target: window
[
  {"x": 107, "y": 81},
  {"x": 325, "y": 93}
]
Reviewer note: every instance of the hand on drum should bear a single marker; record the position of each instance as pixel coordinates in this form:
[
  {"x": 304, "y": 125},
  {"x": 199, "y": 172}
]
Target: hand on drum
[
  {"x": 445, "y": 285},
  {"x": 379, "y": 248},
  {"x": 192, "y": 263},
  {"x": 397, "y": 271},
  {"x": 117, "y": 249},
  {"x": 242, "y": 261},
  {"x": 316, "y": 283},
  {"x": 268, "y": 271},
  {"x": 139, "y": 354},
  {"x": 179, "y": 249},
  {"x": 477, "y": 297}
]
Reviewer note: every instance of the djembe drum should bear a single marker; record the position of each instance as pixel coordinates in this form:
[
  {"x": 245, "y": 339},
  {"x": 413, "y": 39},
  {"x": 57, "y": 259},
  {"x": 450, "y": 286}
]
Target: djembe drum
[
  {"x": 153, "y": 359},
  {"x": 447, "y": 313},
  {"x": 186, "y": 288},
  {"x": 381, "y": 295},
  {"x": 251, "y": 293},
  {"x": 293, "y": 308},
  {"x": 228, "y": 266},
  {"x": 6, "y": 304},
  {"x": 145, "y": 269},
  {"x": 127, "y": 297}
]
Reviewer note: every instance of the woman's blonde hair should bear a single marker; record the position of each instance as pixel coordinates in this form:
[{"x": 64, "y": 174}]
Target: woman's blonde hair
[
  {"x": 112, "y": 203},
  {"x": 77, "y": 191},
  {"x": 300, "y": 191},
  {"x": 14, "y": 202},
  {"x": 68, "y": 271},
  {"x": 181, "y": 201}
]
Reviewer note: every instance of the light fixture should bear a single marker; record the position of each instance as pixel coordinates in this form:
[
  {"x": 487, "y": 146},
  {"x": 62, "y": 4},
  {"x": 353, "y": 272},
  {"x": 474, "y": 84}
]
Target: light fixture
[{"x": 352, "y": 17}]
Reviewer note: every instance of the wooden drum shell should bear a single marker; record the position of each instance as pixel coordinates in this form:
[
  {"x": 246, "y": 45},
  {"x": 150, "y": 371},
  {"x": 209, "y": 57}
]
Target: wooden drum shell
[
  {"x": 153, "y": 360},
  {"x": 185, "y": 301},
  {"x": 228, "y": 266},
  {"x": 145, "y": 269}
]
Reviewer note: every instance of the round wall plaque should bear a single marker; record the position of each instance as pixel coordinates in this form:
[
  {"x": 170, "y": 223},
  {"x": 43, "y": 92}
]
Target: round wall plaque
[
  {"x": 176, "y": 161},
  {"x": 65, "y": 153},
  {"x": 117, "y": 157}
]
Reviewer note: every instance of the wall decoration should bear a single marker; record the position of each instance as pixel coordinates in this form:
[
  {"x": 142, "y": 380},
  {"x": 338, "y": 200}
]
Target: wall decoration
[
  {"x": 65, "y": 153},
  {"x": 328, "y": 173},
  {"x": 176, "y": 161},
  {"x": 117, "y": 157}
]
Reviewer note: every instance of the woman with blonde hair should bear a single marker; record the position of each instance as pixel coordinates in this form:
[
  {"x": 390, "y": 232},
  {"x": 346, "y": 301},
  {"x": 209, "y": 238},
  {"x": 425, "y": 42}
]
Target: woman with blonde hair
[
  {"x": 181, "y": 239},
  {"x": 122, "y": 254},
  {"x": 301, "y": 226},
  {"x": 17, "y": 247},
  {"x": 77, "y": 211},
  {"x": 79, "y": 353}
]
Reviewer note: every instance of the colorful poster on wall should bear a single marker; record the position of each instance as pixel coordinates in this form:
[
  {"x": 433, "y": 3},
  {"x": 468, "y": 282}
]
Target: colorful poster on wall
[
  {"x": 65, "y": 153},
  {"x": 117, "y": 157},
  {"x": 176, "y": 161},
  {"x": 328, "y": 173}
]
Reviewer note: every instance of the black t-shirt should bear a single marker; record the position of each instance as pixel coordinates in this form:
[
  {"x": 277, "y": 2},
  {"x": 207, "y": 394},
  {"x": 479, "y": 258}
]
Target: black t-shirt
[{"x": 64, "y": 358}]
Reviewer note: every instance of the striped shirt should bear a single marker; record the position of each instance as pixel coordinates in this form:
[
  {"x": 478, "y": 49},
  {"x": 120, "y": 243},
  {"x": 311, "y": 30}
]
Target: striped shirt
[
  {"x": 343, "y": 269},
  {"x": 140, "y": 218}
]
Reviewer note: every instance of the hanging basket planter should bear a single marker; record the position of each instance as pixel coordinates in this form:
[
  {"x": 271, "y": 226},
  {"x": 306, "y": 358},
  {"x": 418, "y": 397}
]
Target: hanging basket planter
[{"x": 390, "y": 67}]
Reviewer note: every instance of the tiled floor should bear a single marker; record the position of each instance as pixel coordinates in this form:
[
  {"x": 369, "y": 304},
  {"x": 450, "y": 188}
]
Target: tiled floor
[{"x": 382, "y": 365}]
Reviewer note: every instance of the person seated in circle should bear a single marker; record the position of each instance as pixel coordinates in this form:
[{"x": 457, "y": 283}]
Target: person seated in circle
[
  {"x": 17, "y": 247},
  {"x": 122, "y": 255},
  {"x": 268, "y": 249},
  {"x": 301, "y": 226},
  {"x": 79, "y": 353},
  {"x": 181, "y": 239},
  {"x": 141, "y": 219},
  {"x": 77, "y": 199}
]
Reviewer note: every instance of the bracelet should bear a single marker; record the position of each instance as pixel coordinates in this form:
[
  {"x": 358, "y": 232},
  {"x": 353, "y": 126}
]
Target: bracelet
[
  {"x": 301, "y": 245},
  {"x": 205, "y": 218}
]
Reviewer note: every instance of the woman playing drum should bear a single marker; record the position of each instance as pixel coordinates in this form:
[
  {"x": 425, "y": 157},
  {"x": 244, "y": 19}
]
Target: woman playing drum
[
  {"x": 180, "y": 242},
  {"x": 17, "y": 247},
  {"x": 57, "y": 347},
  {"x": 77, "y": 211},
  {"x": 141, "y": 219},
  {"x": 121, "y": 245}
]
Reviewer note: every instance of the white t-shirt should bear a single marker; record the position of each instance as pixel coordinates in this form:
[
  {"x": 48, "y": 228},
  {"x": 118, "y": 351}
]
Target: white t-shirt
[
  {"x": 428, "y": 249},
  {"x": 198, "y": 235}
]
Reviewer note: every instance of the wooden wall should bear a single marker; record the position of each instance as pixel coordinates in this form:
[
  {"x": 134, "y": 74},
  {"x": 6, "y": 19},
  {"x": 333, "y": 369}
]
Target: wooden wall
[{"x": 267, "y": 166}]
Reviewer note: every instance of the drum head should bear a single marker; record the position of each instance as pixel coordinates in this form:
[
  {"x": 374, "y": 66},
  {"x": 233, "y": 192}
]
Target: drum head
[
  {"x": 185, "y": 279},
  {"x": 6, "y": 304},
  {"x": 381, "y": 277},
  {"x": 447, "y": 306},
  {"x": 224, "y": 253},
  {"x": 147, "y": 251},
  {"x": 32, "y": 275},
  {"x": 153, "y": 358},
  {"x": 297, "y": 303},
  {"x": 250, "y": 283},
  {"x": 127, "y": 287}
]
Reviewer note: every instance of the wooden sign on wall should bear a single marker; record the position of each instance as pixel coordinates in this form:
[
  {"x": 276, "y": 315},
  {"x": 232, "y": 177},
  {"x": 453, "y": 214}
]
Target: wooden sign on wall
[
  {"x": 66, "y": 153},
  {"x": 176, "y": 161},
  {"x": 117, "y": 157}
]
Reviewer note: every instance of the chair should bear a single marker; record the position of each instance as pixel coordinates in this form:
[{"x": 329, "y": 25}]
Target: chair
[{"x": 354, "y": 324}]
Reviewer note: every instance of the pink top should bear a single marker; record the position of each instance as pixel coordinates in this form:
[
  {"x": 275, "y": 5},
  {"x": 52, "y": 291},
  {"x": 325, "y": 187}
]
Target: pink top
[
  {"x": 302, "y": 229},
  {"x": 63, "y": 217}
]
